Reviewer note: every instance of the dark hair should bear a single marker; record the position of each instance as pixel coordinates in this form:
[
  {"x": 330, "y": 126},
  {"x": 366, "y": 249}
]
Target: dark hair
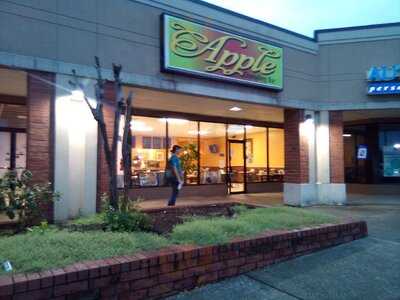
[{"x": 175, "y": 148}]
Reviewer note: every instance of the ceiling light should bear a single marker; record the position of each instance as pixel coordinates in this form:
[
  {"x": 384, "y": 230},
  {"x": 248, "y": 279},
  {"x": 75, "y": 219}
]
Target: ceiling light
[
  {"x": 195, "y": 132},
  {"x": 396, "y": 146},
  {"x": 140, "y": 126},
  {"x": 346, "y": 134},
  {"x": 235, "y": 108},
  {"x": 173, "y": 120},
  {"x": 22, "y": 117}
]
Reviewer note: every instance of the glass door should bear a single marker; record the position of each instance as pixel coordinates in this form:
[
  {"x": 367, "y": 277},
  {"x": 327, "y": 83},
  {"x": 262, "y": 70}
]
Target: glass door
[{"x": 236, "y": 167}]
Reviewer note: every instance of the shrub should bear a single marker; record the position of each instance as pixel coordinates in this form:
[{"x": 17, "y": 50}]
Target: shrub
[
  {"x": 116, "y": 220},
  {"x": 126, "y": 218},
  {"x": 22, "y": 199}
]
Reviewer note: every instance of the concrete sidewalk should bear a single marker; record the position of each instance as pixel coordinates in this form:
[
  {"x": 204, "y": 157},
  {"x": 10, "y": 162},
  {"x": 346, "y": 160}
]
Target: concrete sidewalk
[
  {"x": 363, "y": 269},
  {"x": 261, "y": 199}
]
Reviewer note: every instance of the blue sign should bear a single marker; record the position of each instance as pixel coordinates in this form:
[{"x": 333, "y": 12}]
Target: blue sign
[
  {"x": 384, "y": 80},
  {"x": 362, "y": 152},
  {"x": 384, "y": 73},
  {"x": 384, "y": 88}
]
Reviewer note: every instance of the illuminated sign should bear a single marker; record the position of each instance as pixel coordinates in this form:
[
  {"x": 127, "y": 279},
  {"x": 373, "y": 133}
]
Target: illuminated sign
[
  {"x": 384, "y": 88},
  {"x": 362, "y": 152},
  {"x": 196, "y": 49},
  {"x": 384, "y": 80}
]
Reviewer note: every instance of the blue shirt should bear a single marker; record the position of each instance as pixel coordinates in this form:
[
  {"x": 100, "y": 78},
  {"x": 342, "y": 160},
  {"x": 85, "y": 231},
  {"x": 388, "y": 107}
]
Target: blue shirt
[{"x": 174, "y": 161}]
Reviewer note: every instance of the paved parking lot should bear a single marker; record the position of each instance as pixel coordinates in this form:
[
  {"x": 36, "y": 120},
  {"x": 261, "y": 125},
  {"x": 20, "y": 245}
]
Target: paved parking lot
[{"x": 364, "y": 269}]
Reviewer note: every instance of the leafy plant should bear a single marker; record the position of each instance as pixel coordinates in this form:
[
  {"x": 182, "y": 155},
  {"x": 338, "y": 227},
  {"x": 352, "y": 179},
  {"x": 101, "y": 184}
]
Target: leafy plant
[
  {"x": 22, "y": 200},
  {"x": 239, "y": 209},
  {"x": 126, "y": 218},
  {"x": 189, "y": 158},
  {"x": 126, "y": 221},
  {"x": 42, "y": 228}
]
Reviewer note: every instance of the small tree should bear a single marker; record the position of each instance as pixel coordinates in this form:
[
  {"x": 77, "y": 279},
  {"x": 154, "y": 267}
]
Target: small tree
[
  {"x": 189, "y": 158},
  {"x": 22, "y": 200},
  {"x": 122, "y": 106}
]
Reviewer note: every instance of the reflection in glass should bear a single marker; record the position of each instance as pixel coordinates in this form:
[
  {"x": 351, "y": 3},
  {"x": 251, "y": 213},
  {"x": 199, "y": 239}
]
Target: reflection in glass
[
  {"x": 256, "y": 154},
  {"x": 276, "y": 144},
  {"x": 212, "y": 153},
  {"x": 148, "y": 151},
  {"x": 185, "y": 134}
]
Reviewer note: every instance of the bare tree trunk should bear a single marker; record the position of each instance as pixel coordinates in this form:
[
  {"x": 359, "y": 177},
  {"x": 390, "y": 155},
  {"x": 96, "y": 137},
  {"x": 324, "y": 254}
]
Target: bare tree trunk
[
  {"x": 114, "y": 147},
  {"x": 127, "y": 147},
  {"x": 97, "y": 112}
]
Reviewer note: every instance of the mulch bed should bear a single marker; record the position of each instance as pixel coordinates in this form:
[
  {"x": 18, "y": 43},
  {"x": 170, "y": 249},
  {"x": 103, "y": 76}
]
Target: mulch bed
[{"x": 164, "y": 219}]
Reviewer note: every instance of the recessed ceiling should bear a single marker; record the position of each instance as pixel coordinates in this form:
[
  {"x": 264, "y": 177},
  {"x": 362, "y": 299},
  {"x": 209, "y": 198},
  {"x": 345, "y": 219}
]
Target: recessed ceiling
[
  {"x": 13, "y": 82},
  {"x": 357, "y": 115},
  {"x": 176, "y": 102}
]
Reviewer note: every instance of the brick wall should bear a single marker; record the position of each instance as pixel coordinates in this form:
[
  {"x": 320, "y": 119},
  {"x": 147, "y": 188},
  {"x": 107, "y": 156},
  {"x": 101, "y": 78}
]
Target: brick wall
[
  {"x": 169, "y": 271},
  {"x": 40, "y": 105},
  {"x": 336, "y": 147},
  {"x": 296, "y": 148},
  {"x": 102, "y": 170}
]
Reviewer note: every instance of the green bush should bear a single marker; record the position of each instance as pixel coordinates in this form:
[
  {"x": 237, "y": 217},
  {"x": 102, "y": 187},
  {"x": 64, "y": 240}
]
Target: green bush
[
  {"x": 116, "y": 220},
  {"x": 126, "y": 218},
  {"x": 22, "y": 200}
]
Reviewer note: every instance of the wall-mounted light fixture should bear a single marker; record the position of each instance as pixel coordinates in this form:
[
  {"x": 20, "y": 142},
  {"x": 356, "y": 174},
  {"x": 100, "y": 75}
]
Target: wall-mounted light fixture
[
  {"x": 308, "y": 117},
  {"x": 396, "y": 146}
]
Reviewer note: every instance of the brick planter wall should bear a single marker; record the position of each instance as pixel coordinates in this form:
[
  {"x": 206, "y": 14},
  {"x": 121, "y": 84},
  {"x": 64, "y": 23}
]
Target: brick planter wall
[{"x": 169, "y": 271}]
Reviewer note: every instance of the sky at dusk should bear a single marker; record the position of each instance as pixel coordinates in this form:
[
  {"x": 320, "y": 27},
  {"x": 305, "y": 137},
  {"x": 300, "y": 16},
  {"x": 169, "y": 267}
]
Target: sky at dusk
[{"x": 305, "y": 16}]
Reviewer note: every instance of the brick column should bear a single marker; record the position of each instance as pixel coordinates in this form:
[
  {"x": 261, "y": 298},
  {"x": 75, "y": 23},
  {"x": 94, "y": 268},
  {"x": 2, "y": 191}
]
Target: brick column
[
  {"x": 336, "y": 156},
  {"x": 296, "y": 148},
  {"x": 40, "y": 105},
  {"x": 297, "y": 190},
  {"x": 102, "y": 169}
]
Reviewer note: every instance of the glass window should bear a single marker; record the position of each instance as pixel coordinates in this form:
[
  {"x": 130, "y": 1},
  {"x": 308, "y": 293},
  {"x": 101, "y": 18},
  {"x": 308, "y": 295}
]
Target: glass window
[
  {"x": 276, "y": 155},
  {"x": 212, "y": 153},
  {"x": 390, "y": 146},
  {"x": 13, "y": 123},
  {"x": 148, "y": 151},
  {"x": 236, "y": 132},
  {"x": 185, "y": 134},
  {"x": 256, "y": 154}
]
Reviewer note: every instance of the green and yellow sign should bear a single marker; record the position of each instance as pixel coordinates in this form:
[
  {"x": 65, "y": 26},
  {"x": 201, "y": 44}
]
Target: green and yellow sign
[{"x": 196, "y": 49}]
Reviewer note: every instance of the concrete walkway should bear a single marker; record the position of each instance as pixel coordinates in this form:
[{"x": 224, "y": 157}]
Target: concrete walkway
[
  {"x": 261, "y": 199},
  {"x": 364, "y": 269}
]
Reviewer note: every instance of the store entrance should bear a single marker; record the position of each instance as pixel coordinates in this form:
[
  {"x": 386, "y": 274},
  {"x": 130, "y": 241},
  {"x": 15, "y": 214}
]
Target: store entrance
[{"x": 236, "y": 167}]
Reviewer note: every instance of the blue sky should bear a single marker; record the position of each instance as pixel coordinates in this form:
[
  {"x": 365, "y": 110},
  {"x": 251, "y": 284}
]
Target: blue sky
[{"x": 305, "y": 16}]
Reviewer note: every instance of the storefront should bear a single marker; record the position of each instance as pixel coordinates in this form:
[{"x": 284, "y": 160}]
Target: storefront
[
  {"x": 235, "y": 155},
  {"x": 256, "y": 108}
]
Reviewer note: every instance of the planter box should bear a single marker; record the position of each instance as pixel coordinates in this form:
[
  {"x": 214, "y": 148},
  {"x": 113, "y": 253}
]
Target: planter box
[{"x": 169, "y": 271}]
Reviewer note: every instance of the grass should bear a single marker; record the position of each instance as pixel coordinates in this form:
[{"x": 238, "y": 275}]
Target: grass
[
  {"x": 88, "y": 220},
  {"x": 36, "y": 251},
  {"x": 41, "y": 250},
  {"x": 248, "y": 222}
]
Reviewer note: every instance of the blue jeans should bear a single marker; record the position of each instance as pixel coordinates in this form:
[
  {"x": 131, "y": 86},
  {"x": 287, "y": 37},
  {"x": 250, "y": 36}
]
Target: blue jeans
[{"x": 174, "y": 185}]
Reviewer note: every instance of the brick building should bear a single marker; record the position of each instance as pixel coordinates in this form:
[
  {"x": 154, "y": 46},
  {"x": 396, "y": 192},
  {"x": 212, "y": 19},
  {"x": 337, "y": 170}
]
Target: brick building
[{"x": 258, "y": 108}]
